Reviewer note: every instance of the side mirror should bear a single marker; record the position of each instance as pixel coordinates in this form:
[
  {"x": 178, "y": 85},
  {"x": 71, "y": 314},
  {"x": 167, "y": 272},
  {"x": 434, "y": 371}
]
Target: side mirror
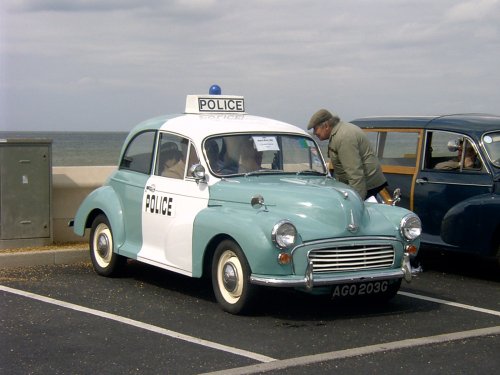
[
  {"x": 396, "y": 196},
  {"x": 257, "y": 202},
  {"x": 197, "y": 171}
]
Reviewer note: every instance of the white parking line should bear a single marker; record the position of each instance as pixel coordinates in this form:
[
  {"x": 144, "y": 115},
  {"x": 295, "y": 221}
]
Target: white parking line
[
  {"x": 138, "y": 324},
  {"x": 449, "y": 303},
  {"x": 364, "y": 350},
  {"x": 268, "y": 363}
]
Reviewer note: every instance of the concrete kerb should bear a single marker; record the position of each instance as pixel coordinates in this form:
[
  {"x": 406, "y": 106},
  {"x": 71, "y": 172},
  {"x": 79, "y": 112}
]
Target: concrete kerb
[{"x": 43, "y": 258}]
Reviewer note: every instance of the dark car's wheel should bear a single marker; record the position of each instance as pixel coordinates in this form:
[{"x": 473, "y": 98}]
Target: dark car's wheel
[
  {"x": 230, "y": 278},
  {"x": 105, "y": 261}
]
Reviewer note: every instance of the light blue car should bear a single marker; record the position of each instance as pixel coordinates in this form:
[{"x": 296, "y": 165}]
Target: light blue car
[{"x": 248, "y": 201}]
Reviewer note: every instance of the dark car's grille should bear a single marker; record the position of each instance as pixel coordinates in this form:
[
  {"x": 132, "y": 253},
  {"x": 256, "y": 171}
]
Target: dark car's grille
[{"x": 349, "y": 258}]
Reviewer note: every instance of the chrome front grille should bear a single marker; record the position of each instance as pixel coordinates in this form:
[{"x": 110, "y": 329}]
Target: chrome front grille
[{"x": 351, "y": 258}]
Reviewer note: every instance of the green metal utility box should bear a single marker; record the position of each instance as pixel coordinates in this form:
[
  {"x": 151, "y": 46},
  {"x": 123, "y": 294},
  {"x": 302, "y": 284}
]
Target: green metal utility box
[{"x": 25, "y": 192}]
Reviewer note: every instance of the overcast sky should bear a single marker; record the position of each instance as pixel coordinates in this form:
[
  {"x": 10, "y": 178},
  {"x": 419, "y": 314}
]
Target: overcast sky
[{"x": 108, "y": 64}]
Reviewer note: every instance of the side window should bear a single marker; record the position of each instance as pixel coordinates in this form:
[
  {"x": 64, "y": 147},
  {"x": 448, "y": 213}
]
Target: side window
[
  {"x": 451, "y": 151},
  {"x": 139, "y": 153},
  {"x": 396, "y": 148},
  {"x": 171, "y": 156}
]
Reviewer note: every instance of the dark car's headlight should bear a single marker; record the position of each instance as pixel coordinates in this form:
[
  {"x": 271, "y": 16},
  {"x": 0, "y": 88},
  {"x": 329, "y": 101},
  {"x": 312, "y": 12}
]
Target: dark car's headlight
[
  {"x": 284, "y": 234},
  {"x": 410, "y": 227}
]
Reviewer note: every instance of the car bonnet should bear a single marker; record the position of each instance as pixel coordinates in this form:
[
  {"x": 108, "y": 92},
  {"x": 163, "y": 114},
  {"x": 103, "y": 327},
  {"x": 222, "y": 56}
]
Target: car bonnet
[{"x": 310, "y": 200}]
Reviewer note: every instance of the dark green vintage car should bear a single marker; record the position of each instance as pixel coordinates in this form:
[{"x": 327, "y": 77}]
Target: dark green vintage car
[{"x": 448, "y": 169}]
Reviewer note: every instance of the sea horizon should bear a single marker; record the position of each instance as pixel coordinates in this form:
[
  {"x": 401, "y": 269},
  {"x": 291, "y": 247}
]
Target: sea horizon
[{"x": 77, "y": 148}]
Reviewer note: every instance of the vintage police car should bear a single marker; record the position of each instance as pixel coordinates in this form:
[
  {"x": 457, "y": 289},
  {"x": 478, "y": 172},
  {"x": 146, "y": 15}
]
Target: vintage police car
[
  {"x": 247, "y": 201},
  {"x": 448, "y": 169}
]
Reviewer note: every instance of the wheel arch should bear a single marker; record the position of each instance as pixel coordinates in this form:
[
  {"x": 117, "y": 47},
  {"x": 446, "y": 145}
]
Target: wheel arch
[
  {"x": 236, "y": 223},
  {"x": 471, "y": 224},
  {"x": 208, "y": 254},
  {"x": 101, "y": 201}
]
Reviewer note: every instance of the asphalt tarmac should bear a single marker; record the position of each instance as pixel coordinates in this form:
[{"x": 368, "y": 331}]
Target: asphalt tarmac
[{"x": 64, "y": 319}]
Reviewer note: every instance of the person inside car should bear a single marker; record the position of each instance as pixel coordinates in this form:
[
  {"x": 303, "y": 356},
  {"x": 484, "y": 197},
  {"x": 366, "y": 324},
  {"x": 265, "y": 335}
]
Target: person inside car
[
  {"x": 174, "y": 164},
  {"x": 250, "y": 158},
  {"x": 470, "y": 157}
]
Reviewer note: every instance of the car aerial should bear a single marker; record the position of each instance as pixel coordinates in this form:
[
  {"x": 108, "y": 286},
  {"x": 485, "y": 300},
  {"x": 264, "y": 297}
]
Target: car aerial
[
  {"x": 246, "y": 201},
  {"x": 448, "y": 170}
]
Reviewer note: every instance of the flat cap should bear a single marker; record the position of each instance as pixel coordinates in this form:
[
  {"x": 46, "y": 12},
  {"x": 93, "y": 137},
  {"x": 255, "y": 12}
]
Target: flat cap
[{"x": 319, "y": 117}]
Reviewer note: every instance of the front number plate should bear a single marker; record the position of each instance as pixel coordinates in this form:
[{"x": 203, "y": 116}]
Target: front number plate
[{"x": 360, "y": 289}]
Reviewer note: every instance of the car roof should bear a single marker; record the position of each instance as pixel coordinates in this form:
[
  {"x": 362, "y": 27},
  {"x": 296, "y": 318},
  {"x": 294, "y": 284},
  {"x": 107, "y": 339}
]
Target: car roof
[
  {"x": 475, "y": 122},
  {"x": 200, "y": 126}
]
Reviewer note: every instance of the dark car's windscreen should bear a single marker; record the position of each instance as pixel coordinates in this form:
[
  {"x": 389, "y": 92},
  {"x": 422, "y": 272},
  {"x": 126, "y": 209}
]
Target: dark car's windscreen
[{"x": 491, "y": 143}]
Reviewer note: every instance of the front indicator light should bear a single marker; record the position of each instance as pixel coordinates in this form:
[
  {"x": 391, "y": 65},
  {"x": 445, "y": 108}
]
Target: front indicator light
[
  {"x": 284, "y": 258},
  {"x": 411, "y": 249}
]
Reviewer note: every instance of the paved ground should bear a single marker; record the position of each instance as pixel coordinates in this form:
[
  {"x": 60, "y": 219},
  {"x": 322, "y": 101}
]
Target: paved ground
[
  {"x": 64, "y": 318},
  {"x": 45, "y": 255}
]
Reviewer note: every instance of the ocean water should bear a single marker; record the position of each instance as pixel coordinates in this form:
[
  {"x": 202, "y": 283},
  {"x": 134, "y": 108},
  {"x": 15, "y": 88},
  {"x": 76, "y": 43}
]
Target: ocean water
[
  {"x": 78, "y": 148},
  {"x": 86, "y": 148}
]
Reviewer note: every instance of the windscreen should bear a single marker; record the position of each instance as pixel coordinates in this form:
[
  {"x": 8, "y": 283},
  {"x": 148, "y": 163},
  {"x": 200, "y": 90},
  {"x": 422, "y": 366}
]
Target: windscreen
[
  {"x": 263, "y": 153},
  {"x": 491, "y": 143}
]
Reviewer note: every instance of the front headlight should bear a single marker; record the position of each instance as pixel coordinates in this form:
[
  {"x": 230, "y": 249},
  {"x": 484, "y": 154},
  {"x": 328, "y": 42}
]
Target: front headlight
[
  {"x": 410, "y": 227},
  {"x": 284, "y": 234}
]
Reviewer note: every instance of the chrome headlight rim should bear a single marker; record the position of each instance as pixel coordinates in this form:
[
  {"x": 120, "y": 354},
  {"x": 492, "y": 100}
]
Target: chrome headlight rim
[
  {"x": 410, "y": 227},
  {"x": 280, "y": 238}
]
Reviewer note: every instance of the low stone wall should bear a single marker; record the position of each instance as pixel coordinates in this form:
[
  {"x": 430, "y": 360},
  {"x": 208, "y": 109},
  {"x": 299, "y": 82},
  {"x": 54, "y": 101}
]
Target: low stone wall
[{"x": 70, "y": 185}]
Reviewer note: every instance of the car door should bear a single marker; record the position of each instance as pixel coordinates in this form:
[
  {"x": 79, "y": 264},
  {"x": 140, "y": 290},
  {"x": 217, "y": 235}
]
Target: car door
[
  {"x": 445, "y": 181},
  {"x": 171, "y": 201},
  {"x": 129, "y": 182},
  {"x": 398, "y": 151}
]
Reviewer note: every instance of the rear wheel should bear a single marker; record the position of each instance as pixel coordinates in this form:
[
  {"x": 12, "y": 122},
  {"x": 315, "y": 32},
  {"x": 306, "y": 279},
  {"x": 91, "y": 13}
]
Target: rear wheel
[
  {"x": 231, "y": 278},
  {"x": 105, "y": 261}
]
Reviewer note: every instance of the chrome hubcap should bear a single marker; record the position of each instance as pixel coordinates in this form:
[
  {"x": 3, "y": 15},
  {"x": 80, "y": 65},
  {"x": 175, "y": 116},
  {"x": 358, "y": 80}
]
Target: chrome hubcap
[
  {"x": 103, "y": 245},
  {"x": 230, "y": 277}
]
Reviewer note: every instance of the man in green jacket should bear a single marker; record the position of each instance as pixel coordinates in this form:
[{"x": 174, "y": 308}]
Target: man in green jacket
[{"x": 350, "y": 152}]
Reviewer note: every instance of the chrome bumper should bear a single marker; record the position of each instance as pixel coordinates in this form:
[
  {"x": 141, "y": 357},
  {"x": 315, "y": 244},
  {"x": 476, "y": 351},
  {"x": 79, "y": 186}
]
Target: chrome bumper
[{"x": 309, "y": 280}]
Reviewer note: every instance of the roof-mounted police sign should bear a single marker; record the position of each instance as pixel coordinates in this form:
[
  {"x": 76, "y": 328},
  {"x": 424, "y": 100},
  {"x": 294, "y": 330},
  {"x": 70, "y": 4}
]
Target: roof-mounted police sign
[{"x": 198, "y": 104}]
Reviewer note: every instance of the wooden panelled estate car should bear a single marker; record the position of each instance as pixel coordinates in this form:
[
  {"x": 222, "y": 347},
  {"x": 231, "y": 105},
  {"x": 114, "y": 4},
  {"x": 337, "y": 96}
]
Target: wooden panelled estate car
[{"x": 448, "y": 169}]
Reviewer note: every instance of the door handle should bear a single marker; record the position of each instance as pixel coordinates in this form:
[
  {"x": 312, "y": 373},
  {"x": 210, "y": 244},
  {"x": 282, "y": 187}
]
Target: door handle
[
  {"x": 151, "y": 188},
  {"x": 422, "y": 180}
]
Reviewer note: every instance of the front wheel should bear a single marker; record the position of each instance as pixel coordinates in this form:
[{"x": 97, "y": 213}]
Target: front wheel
[
  {"x": 231, "y": 278},
  {"x": 105, "y": 261}
]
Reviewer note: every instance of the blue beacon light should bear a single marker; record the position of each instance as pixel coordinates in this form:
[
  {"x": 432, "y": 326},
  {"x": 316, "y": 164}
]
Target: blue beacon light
[{"x": 215, "y": 90}]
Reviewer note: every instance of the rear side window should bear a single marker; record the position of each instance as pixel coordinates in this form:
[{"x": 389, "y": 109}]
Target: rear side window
[
  {"x": 396, "y": 148},
  {"x": 139, "y": 153}
]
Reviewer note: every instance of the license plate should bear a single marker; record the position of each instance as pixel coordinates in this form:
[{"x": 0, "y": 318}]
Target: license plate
[{"x": 360, "y": 289}]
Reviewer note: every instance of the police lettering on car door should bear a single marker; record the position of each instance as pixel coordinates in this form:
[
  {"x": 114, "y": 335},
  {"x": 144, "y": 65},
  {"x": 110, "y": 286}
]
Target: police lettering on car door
[{"x": 159, "y": 204}]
